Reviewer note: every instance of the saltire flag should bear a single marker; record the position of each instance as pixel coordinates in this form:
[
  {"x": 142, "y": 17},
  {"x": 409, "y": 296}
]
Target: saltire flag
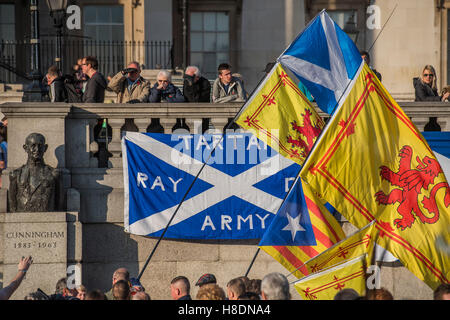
[
  {"x": 358, "y": 243},
  {"x": 235, "y": 196},
  {"x": 302, "y": 229},
  {"x": 324, "y": 285},
  {"x": 325, "y": 60},
  {"x": 280, "y": 115},
  {"x": 371, "y": 163}
]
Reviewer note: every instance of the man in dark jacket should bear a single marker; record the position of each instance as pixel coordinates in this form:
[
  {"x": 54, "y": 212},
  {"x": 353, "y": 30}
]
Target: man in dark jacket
[
  {"x": 57, "y": 91},
  {"x": 96, "y": 85},
  {"x": 195, "y": 87},
  {"x": 164, "y": 90}
]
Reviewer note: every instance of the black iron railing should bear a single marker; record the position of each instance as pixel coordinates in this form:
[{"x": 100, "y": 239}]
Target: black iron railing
[{"x": 112, "y": 56}]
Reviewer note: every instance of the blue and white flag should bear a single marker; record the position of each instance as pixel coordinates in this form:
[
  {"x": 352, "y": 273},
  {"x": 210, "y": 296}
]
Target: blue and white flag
[
  {"x": 325, "y": 60},
  {"x": 235, "y": 196}
]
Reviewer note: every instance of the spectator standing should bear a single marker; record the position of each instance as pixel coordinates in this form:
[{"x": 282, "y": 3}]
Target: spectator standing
[
  {"x": 119, "y": 274},
  {"x": 426, "y": 88},
  {"x": 24, "y": 264},
  {"x": 379, "y": 294},
  {"x": 81, "y": 292},
  {"x": 96, "y": 85},
  {"x": 366, "y": 57},
  {"x": 57, "y": 91},
  {"x": 129, "y": 85},
  {"x": 235, "y": 288},
  {"x": 211, "y": 291},
  {"x": 275, "y": 286},
  {"x": 227, "y": 88},
  {"x": 180, "y": 288},
  {"x": 205, "y": 279},
  {"x": 121, "y": 290},
  {"x": 95, "y": 295},
  {"x": 63, "y": 290},
  {"x": 442, "y": 292},
  {"x": 347, "y": 294},
  {"x": 195, "y": 87},
  {"x": 164, "y": 90}
]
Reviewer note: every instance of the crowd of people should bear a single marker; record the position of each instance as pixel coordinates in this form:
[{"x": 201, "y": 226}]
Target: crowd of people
[
  {"x": 273, "y": 286},
  {"x": 86, "y": 84}
]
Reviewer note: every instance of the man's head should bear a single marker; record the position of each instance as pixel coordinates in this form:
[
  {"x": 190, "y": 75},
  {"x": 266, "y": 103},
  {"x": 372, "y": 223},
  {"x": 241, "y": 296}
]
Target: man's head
[
  {"x": 235, "y": 288},
  {"x": 224, "y": 70},
  {"x": 134, "y": 75},
  {"x": 120, "y": 274},
  {"x": 81, "y": 292},
  {"x": 347, "y": 294},
  {"x": 62, "y": 288},
  {"x": 163, "y": 79},
  {"x": 35, "y": 146},
  {"x": 194, "y": 72},
  {"x": 121, "y": 290},
  {"x": 52, "y": 73},
  {"x": 89, "y": 65},
  {"x": 179, "y": 287},
  {"x": 141, "y": 295},
  {"x": 205, "y": 279},
  {"x": 275, "y": 286},
  {"x": 442, "y": 292},
  {"x": 366, "y": 57},
  {"x": 95, "y": 295}
]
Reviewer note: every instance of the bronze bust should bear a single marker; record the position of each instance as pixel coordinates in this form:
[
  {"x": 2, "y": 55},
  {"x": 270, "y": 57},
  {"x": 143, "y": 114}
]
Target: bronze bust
[{"x": 34, "y": 187}]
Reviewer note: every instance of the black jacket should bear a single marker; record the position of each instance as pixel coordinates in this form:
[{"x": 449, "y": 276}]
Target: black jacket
[
  {"x": 57, "y": 91},
  {"x": 199, "y": 91},
  {"x": 424, "y": 92},
  {"x": 171, "y": 94},
  {"x": 95, "y": 89},
  {"x": 74, "y": 94}
]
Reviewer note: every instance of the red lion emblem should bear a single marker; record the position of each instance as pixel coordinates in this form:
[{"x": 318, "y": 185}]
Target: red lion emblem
[
  {"x": 308, "y": 130},
  {"x": 411, "y": 182}
]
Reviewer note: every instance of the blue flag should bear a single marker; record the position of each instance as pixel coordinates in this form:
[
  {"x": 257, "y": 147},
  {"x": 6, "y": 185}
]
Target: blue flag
[
  {"x": 235, "y": 196},
  {"x": 325, "y": 60},
  {"x": 292, "y": 224}
]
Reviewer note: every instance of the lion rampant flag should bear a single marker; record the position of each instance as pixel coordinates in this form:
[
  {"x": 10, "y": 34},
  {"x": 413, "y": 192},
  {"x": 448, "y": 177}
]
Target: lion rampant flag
[
  {"x": 359, "y": 243},
  {"x": 281, "y": 116},
  {"x": 371, "y": 163},
  {"x": 324, "y": 285}
]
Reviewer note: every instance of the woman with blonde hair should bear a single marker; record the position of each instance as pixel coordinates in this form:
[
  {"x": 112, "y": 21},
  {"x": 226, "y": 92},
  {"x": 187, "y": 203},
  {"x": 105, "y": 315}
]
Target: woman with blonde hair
[{"x": 425, "y": 86}]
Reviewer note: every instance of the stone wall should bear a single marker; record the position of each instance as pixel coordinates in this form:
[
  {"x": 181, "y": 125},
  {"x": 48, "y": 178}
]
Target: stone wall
[{"x": 97, "y": 193}]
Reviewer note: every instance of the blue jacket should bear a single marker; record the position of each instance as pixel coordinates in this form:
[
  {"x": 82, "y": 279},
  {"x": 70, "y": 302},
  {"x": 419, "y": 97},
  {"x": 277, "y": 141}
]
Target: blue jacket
[{"x": 171, "y": 94}]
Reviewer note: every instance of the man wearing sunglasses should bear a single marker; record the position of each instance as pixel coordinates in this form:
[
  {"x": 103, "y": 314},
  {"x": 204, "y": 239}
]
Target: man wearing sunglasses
[
  {"x": 96, "y": 85},
  {"x": 129, "y": 85}
]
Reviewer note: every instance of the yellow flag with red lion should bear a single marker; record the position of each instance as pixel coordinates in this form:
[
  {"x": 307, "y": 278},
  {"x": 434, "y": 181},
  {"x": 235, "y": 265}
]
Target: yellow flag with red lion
[{"x": 371, "y": 163}]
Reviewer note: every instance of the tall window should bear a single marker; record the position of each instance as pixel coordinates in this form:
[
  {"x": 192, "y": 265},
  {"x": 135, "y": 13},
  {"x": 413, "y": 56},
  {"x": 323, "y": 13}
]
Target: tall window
[
  {"x": 103, "y": 22},
  {"x": 341, "y": 17},
  {"x": 7, "y": 23},
  {"x": 209, "y": 41}
]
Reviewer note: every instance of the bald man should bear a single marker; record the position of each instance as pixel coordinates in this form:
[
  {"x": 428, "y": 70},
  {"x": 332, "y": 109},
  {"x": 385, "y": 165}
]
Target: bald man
[{"x": 119, "y": 274}]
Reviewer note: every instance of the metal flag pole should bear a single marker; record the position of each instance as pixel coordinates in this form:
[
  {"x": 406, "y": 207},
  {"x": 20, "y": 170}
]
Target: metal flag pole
[{"x": 253, "y": 260}]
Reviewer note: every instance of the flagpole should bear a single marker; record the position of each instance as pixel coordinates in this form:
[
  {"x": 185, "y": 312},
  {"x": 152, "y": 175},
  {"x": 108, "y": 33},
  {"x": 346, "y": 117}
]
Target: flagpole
[{"x": 251, "y": 263}]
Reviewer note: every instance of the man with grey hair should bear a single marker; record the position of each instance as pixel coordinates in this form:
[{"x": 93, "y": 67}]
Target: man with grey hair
[
  {"x": 275, "y": 286},
  {"x": 195, "y": 87},
  {"x": 164, "y": 90},
  {"x": 129, "y": 85}
]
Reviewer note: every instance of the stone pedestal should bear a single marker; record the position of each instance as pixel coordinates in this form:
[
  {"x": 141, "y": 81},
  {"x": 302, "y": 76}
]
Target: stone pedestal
[{"x": 53, "y": 239}]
